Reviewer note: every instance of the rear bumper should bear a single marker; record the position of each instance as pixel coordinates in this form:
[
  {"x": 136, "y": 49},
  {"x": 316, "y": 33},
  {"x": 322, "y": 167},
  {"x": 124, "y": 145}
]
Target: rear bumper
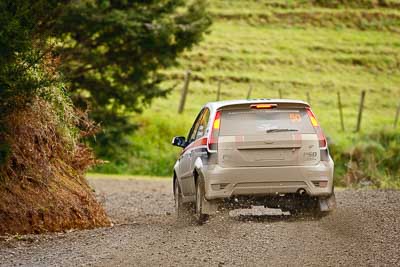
[{"x": 228, "y": 182}]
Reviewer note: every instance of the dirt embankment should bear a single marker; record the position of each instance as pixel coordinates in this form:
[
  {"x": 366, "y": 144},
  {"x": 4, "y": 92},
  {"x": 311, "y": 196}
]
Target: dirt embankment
[
  {"x": 42, "y": 164},
  {"x": 365, "y": 230},
  {"x": 62, "y": 204}
]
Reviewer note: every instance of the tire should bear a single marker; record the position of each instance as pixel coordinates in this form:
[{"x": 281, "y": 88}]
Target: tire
[
  {"x": 200, "y": 196},
  {"x": 184, "y": 211}
]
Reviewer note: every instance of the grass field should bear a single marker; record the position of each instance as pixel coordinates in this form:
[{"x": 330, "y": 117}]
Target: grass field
[{"x": 297, "y": 47}]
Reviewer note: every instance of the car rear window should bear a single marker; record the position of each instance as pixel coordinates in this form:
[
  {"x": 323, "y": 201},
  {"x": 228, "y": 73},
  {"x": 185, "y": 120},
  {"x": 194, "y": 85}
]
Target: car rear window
[{"x": 262, "y": 121}]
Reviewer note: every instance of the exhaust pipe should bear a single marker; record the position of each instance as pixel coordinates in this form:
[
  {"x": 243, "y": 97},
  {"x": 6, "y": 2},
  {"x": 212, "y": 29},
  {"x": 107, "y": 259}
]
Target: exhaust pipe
[{"x": 301, "y": 192}]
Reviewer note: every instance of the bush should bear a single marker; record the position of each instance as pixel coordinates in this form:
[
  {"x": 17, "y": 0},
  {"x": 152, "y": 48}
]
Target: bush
[{"x": 374, "y": 159}]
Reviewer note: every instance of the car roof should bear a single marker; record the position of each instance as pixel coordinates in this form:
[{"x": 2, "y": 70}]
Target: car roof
[{"x": 219, "y": 104}]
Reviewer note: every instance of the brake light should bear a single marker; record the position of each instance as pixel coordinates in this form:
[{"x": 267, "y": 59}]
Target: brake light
[
  {"x": 263, "y": 106},
  {"x": 213, "y": 140},
  {"x": 317, "y": 127},
  {"x": 311, "y": 115},
  {"x": 217, "y": 121}
]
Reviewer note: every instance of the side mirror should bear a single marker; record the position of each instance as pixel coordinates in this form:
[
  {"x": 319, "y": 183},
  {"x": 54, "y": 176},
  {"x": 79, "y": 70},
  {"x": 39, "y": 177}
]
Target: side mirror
[{"x": 179, "y": 141}]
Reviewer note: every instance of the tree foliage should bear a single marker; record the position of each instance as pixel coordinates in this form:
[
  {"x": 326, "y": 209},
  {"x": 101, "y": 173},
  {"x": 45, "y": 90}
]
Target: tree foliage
[
  {"x": 24, "y": 28},
  {"x": 109, "y": 53},
  {"x": 113, "y": 50}
]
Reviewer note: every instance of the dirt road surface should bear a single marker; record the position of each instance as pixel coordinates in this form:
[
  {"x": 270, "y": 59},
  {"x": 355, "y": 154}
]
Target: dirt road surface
[{"x": 365, "y": 230}]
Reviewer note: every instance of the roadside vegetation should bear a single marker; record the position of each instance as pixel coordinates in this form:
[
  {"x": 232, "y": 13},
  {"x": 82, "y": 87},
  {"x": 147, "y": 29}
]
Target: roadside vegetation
[
  {"x": 42, "y": 157},
  {"x": 70, "y": 70},
  {"x": 290, "y": 48}
]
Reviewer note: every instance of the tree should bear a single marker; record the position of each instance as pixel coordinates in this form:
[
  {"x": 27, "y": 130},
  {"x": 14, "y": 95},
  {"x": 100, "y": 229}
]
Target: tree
[
  {"x": 113, "y": 50},
  {"x": 24, "y": 28}
]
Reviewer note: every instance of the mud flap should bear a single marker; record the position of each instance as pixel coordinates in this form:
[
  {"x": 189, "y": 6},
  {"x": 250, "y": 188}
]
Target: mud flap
[
  {"x": 209, "y": 207},
  {"x": 327, "y": 204}
]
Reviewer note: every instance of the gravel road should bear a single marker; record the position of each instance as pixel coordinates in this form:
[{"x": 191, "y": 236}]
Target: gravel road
[{"x": 365, "y": 230}]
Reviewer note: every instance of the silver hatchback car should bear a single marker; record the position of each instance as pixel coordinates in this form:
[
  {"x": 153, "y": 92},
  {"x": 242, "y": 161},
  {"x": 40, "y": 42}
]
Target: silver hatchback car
[{"x": 269, "y": 152}]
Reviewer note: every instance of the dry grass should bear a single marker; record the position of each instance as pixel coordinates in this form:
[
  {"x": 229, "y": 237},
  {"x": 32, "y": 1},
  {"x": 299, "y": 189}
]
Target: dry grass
[{"x": 42, "y": 186}]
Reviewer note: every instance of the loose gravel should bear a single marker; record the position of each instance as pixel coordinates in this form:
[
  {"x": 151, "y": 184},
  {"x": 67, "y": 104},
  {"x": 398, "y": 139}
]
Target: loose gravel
[{"x": 364, "y": 230}]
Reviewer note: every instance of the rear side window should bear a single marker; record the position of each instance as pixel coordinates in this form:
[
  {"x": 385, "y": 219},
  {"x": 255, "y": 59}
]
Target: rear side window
[
  {"x": 199, "y": 126},
  {"x": 263, "y": 121},
  {"x": 195, "y": 127},
  {"x": 203, "y": 124}
]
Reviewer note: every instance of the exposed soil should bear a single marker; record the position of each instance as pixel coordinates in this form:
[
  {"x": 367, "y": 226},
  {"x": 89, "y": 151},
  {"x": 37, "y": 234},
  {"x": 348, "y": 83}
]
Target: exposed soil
[{"x": 364, "y": 230}]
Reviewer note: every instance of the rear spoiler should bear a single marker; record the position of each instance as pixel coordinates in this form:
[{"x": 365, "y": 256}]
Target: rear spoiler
[{"x": 276, "y": 104}]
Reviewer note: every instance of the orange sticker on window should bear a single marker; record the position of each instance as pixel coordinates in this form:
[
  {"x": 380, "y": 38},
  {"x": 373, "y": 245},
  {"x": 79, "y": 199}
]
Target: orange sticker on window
[{"x": 295, "y": 117}]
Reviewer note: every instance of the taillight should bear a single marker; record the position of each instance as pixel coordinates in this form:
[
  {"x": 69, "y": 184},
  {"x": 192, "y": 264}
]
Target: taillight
[
  {"x": 213, "y": 140},
  {"x": 317, "y": 127}
]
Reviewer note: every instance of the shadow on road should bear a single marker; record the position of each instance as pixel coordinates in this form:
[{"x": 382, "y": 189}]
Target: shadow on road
[{"x": 274, "y": 218}]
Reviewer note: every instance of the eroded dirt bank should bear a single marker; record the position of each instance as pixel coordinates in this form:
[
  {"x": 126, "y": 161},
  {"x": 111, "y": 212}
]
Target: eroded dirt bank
[{"x": 365, "y": 230}]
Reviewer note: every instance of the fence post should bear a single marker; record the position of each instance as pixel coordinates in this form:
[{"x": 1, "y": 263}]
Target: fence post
[
  {"x": 396, "y": 118},
  {"x": 219, "y": 90},
  {"x": 360, "y": 110},
  {"x": 184, "y": 92},
  {"x": 280, "y": 93},
  {"x": 249, "y": 92},
  {"x": 340, "y": 110},
  {"x": 308, "y": 98}
]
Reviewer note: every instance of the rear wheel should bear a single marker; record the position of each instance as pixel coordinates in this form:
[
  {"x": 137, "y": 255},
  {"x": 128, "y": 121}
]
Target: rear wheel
[
  {"x": 184, "y": 211},
  {"x": 201, "y": 217}
]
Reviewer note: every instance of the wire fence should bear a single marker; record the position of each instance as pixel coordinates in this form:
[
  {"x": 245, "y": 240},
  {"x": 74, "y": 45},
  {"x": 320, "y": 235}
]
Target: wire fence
[{"x": 308, "y": 97}]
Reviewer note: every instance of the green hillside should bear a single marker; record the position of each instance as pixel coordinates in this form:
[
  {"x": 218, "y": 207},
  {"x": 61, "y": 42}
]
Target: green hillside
[{"x": 296, "y": 47}]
